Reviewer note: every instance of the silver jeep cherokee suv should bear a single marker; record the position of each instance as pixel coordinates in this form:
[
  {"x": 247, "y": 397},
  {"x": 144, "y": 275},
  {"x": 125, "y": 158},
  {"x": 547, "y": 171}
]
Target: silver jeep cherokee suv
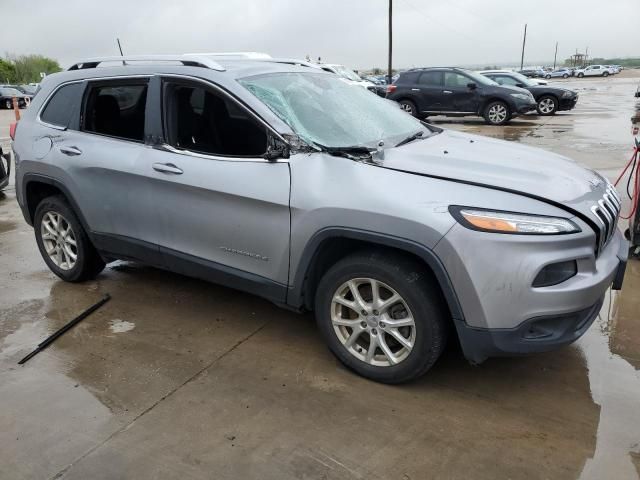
[{"x": 288, "y": 183}]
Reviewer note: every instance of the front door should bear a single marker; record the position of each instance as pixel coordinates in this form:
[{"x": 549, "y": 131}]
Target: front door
[
  {"x": 223, "y": 208},
  {"x": 456, "y": 94}
]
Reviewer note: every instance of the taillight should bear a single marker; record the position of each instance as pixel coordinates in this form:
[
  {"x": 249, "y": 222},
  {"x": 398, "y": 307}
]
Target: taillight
[
  {"x": 391, "y": 88},
  {"x": 12, "y": 130}
]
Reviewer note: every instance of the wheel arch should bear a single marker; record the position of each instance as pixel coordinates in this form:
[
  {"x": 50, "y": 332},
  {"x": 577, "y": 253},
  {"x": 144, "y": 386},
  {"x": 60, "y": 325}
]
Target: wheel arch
[
  {"x": 493, "y": 98},
  {"x": 333, "y": 243},
  {"x": 37, "y": 187}
]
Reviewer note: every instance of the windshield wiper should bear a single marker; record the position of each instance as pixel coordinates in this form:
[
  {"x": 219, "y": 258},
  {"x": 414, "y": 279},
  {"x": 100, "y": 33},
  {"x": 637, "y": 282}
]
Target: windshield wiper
[
  {"x": 354, "y": 152},
  {"x": 411, "y": 138}
]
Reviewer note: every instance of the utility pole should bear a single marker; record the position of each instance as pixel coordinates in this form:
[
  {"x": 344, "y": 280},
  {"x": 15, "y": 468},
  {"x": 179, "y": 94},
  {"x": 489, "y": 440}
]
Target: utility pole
[
  {"x": 586, "y": 56},
  {"x": 390, "y": 67},
  {"x": 524, "y": 42},
  {"x": 555, "y": 56}
]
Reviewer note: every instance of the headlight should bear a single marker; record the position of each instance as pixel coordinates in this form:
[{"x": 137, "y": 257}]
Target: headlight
[
  {"x": 567, "y": 94},
  {"x": 522, "y": 96},
  {"x": 509, "y": 222}
]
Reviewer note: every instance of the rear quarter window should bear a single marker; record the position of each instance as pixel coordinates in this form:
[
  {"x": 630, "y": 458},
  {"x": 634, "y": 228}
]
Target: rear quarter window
[{"x": 60, "y": 106}]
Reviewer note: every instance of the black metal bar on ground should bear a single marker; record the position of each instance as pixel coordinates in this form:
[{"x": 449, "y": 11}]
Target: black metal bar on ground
[{"x": 51, "y": 338}]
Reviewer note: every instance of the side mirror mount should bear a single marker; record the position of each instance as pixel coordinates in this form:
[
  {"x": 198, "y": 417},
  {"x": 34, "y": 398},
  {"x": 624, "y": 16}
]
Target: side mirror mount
[
  {"x": 276, "y": 149},
  {"x": 472, "y": 86}
]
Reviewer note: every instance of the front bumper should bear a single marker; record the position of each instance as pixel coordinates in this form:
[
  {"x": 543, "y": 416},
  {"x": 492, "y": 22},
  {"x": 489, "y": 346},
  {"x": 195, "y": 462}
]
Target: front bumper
[
  {"x": 540, "y": 334},
  {"x": 567, "y": 103},
  {"x": 504, "y": 314},
  {"x": 523, "y": 108}
]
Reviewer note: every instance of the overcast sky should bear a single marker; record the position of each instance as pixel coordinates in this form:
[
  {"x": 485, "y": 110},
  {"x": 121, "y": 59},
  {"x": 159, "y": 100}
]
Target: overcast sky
[{"x": 352, "y": 32}]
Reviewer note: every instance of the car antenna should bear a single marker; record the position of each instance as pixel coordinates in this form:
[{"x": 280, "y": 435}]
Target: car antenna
[{"x": 120, "y": 48}]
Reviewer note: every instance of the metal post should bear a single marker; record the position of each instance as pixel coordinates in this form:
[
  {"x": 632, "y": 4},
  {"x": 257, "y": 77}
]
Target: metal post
[
  {"x": 555, "y": 56},
  {"x": 524, "y": 41},
  {"x": 16, "y": 108},
  {"x": 390, "y": 67}
]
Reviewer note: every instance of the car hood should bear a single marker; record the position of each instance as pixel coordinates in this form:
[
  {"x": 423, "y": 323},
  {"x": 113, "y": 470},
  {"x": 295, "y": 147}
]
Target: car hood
[
  {"x": 541, "y": 89},
  {"x": 500, "y": 164}
]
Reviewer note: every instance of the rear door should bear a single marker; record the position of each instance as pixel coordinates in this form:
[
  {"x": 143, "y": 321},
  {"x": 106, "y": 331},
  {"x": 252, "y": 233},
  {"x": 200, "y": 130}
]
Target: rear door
[
  {"x": 101, "y": 153},
  {"x": 456, "y": 95},
  {"x": 223, "y": 208},
  {"x": 429, "y": 86}
]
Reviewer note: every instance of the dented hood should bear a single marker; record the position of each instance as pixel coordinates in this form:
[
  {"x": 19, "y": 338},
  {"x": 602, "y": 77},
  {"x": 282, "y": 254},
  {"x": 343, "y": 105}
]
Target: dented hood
[{"x": 500, "y": 164}]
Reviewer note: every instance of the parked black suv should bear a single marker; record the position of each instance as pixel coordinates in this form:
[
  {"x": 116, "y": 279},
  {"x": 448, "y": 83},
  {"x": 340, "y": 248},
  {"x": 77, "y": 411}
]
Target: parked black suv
[
  {"x": 550, "y": 99},
  {"x": 458, "y": 92}
]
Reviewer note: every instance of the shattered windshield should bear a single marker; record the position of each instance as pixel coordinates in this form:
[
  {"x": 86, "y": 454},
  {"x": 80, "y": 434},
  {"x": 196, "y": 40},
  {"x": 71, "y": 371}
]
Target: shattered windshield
[{"x": 325, "y": 111}]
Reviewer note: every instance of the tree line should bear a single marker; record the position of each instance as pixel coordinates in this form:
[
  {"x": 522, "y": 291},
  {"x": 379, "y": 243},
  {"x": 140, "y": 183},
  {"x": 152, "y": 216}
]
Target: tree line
[{"x": 21, "y": 69}]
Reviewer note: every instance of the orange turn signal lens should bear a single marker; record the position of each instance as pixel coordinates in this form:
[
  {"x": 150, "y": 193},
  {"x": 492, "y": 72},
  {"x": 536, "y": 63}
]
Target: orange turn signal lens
[{"x": 485, "y": 223}]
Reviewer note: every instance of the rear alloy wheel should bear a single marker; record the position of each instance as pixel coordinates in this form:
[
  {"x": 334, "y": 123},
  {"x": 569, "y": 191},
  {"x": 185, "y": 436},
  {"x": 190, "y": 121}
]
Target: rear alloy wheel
[
  {"x": 547, "y": 76},
  {"x": 382, "y": 316},
  {"x": 605, "y": 74},
  {"x": 409, "y": 107},
  {"x": 497, "y": 113},
  {"x": 565, "y": 75},
  {"x": 8, "y": 104},
  {"x": 547, "y": 105},
  {"x": 63, "y": 243}
]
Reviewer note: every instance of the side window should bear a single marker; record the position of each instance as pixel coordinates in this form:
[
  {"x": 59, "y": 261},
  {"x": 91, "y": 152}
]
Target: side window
[
  {"x": 505, "y": 80},
  {"x": 432, "y": 79},
  {"x": 60, "y": 106},
  {"x": 204, "y": 121},
  {"x": 116, "y": 109},
  {"x": 455, "y": 80},
  {"x": 408, "y": 77}
]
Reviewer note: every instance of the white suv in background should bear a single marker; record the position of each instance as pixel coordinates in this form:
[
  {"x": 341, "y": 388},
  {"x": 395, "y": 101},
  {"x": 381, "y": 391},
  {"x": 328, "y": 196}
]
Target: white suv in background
[
  {"x": 593, "y": 71},
  {"x": 349, "y": 75}
]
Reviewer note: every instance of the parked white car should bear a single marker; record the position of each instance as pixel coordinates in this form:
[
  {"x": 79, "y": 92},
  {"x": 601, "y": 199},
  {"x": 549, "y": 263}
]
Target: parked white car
[
  {"x": 593, "y": 71},
  {"x": 349, "y": 75}
]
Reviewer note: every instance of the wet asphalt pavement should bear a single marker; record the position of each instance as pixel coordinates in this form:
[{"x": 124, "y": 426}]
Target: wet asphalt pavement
[{"x": 177, "y": 378}]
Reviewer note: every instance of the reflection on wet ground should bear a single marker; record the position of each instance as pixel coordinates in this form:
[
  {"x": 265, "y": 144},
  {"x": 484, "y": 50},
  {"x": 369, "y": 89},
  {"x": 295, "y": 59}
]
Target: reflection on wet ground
[{"x": 177, "y": 378}]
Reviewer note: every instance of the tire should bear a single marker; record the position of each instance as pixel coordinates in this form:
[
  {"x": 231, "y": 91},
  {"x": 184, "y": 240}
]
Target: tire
[
  {"x": 419, "y": 299},
  {"x": 605, "y": 74},
  {"x": 497, "y": 113},
  {"x": 8, "y": 104},
  {"x": 547, "y": 76},
  {"x": 87, "y": 264},
  {"x": 580, "y": 75},
  {"x": 409, "y": 107},
  {"x": 547, "y": 105},
  {"x": 565, "y": 76}
]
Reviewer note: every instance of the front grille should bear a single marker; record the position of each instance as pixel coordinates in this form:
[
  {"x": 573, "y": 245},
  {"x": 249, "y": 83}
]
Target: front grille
[{"x": 606, "y": 212}]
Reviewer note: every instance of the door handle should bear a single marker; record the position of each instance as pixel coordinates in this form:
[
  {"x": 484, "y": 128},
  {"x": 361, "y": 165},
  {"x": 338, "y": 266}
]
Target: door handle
[
  {"x": 415, "y": 89},
  {"x": 447, "y": 92},
  {"x": 71, "y": 151},
  {"x": 167, "y": 168}
]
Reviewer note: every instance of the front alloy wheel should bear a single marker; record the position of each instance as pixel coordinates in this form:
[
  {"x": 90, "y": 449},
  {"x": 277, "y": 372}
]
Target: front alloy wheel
[
  {"x": 497, "y": 113},
  {"x": 373, "y": 322},
  {"x": 547, "y": 106},
  {"x": 382, "y": 314}
]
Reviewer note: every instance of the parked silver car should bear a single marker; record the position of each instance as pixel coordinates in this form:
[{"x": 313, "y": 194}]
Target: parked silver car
[{"x": 289, "y": 183}]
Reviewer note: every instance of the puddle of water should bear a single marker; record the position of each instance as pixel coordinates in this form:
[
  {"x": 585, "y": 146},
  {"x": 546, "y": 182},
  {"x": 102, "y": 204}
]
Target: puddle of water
[
  {"x": 615, "y": 387},
  {"x": 121, "y": 326}
]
